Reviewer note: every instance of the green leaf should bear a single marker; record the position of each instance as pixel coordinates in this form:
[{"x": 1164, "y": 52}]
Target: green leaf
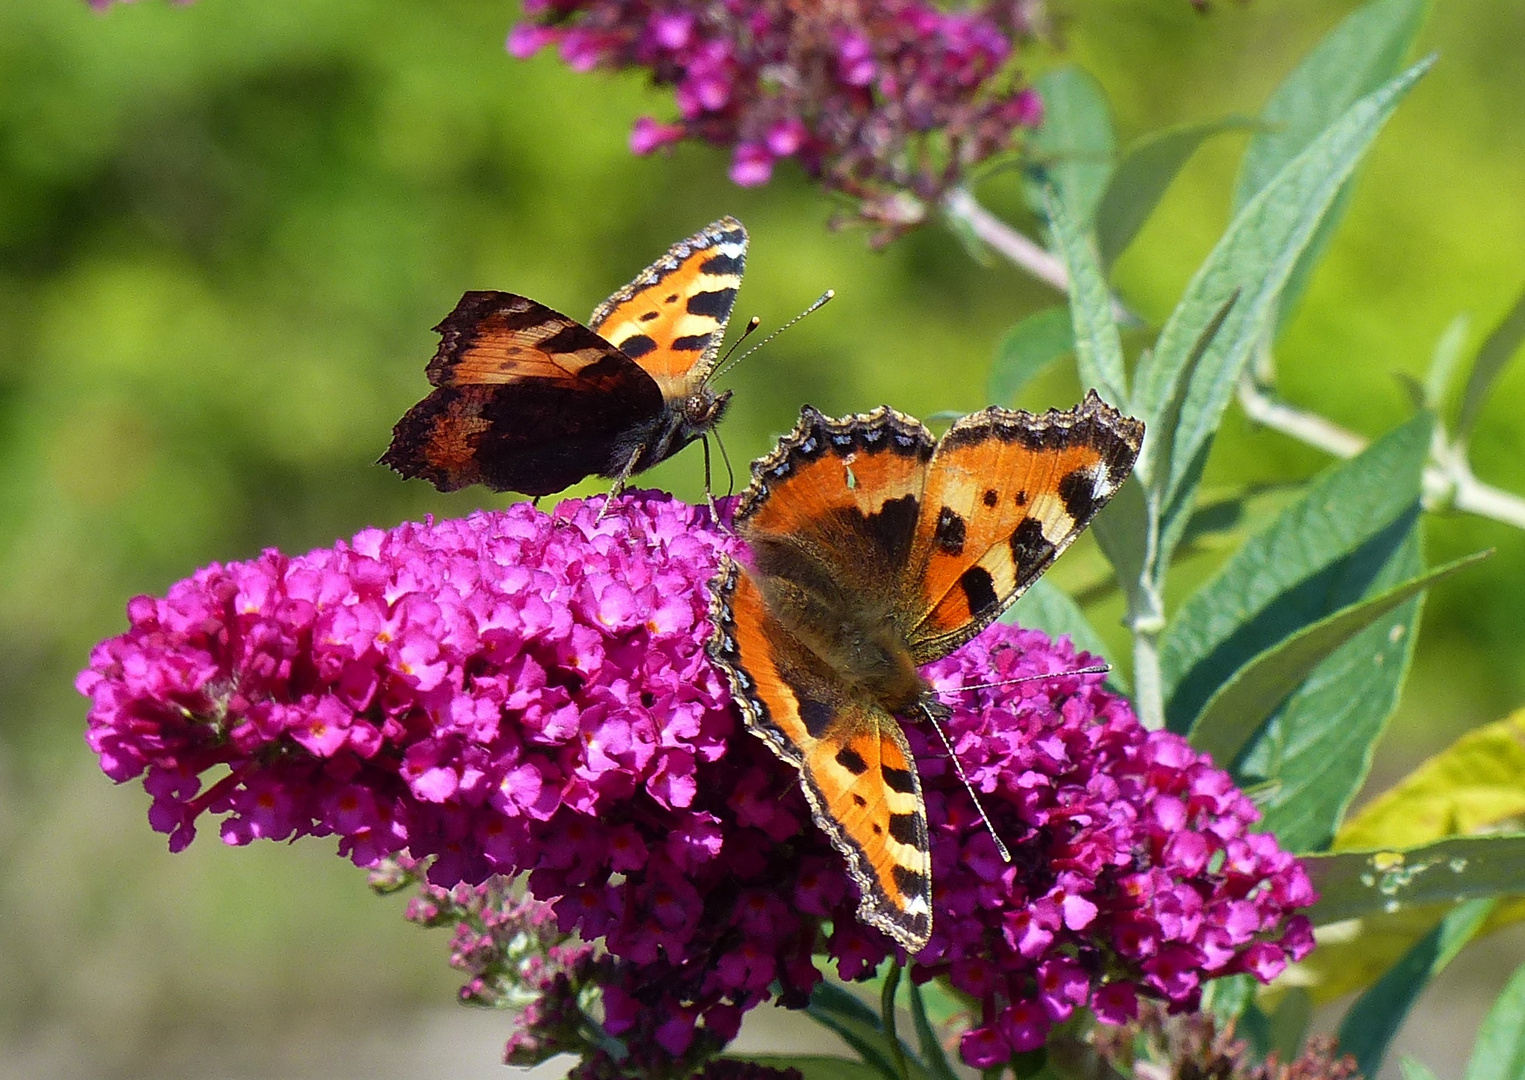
[
  {"x": 1354, "y": 884},
  {"x": 926, "y": 1037},
  {"x": 855, "y": 1024},
  {"x": 1144, "y": 174},
  {"x": 1075, "y": 144},
  {"x": 1254, "y": 258},
  {"x": 1315, "y": 751},
  {"x": 816, "y": 1066},
  {"x": 1414, "y": 1069},
  {"x": 1370, "y": 1024},
  {"x": 1098, "y": 348},
  {"x": 1289, "y": 1023},
  {"x": 1443, "y": 360},
  {"x": 1122, "y": 532},
  {"x": 1499, "y": 1053},
  {"x": 1357, "y": 57},
  {"x": 1318, "y": 555},
  {"x": 1239, "y": 707},
  {"x": 1475, "y": 784},
  {"x": 1027, "y": 350},
  {"x": 1495, "y": 353},
  {"x": 1354, "y": 59}
]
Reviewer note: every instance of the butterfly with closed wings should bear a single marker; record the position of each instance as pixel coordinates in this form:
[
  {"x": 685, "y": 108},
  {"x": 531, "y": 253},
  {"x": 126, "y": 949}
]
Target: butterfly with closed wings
[{"x": 529, "y": 400}]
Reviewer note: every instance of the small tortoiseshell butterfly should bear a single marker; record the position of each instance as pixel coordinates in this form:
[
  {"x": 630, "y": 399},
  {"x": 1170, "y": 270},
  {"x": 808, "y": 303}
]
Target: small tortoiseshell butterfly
[
  {"x": 877, "y": 548},
  {"x": 529, "y": 400}
]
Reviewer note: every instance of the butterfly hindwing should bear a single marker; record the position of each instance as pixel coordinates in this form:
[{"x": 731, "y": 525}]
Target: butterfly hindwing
[
  {"x": 1006, "y": 493},
  {"x": 855, "y": 765},
  {"x": 526, "y": 400},
  {"x": 672, "y": 317}
]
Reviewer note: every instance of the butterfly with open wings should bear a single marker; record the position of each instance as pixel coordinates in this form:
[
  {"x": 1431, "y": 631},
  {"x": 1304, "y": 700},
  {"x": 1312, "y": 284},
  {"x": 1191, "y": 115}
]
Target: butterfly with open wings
[
  {"x": 529, "y": 400},
  {"x": 877, "y": 548}
]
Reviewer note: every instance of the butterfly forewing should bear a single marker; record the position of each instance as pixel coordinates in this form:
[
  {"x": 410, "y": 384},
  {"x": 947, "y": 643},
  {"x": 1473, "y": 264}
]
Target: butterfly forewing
[
  {"x": 496, "y": 338},
  {"x": 672, "y": 318},
  {"x": 1006, "y": 493},
  {"x": 855, "y": 765}
]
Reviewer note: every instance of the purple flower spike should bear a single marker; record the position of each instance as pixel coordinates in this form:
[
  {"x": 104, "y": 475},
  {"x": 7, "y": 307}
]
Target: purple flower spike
[
  {"x": 517, "y": 693},
  {"x": 883, "y": 100}
]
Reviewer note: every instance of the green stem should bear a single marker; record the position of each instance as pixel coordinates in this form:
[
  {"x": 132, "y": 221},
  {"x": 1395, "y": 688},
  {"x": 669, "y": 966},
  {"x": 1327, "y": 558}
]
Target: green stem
[{"x": 887, "y": 1015}]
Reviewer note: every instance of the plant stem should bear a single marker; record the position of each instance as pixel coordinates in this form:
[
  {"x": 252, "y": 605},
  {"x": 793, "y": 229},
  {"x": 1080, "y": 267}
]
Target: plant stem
[
  {"x": 1449, "y": 480},
  {"x": 887, "y": 1018}
]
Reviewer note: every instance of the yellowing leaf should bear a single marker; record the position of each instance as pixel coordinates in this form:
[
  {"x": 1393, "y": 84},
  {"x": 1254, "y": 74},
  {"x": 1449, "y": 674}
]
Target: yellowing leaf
[{"x": 1476, "y": 784}]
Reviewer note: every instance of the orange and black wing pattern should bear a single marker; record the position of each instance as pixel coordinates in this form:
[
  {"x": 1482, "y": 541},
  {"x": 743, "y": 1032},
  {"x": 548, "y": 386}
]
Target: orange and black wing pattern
[
  {"x": 855, "y": 766},
  {"x": 1006, "y": 493},
  {"x": 530, "y": 400},
  {"x": 526, "y": 399},
  {"x": 672, "y": 318},
  {"x": 876, "y": 548}
]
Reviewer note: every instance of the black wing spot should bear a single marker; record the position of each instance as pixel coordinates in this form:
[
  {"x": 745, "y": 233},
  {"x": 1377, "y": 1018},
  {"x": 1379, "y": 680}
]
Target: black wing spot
[
  {"x": 650, "y": 315},
  {"x": 909, "y": 882},
  {"x": 673, "y": 299},
  {"x": 859, "y": 800},
  {"x": 636, "y": 345},
  {"x": 1030, "y": 548},
  {"x": 900, "y": 780},
  {"x": 694, "y": 343},
  {"x": 1079, "y": 495},
  {"x": 722, "y": 265},
  {"x": 878, "y": 829},
  {"x": 906, "y": 829},
  {"x": 979, "y": 589},
  {"x": 851, "y": 760},
  {"x": 715, "y": 305},
  {"x": 1020, "y": 498},
  {"x": 991, "y": 498},
  {"x": 950, "y": 533}
]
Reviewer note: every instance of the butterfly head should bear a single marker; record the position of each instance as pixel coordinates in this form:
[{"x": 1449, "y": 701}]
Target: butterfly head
[{"x": 702, "y": 410}]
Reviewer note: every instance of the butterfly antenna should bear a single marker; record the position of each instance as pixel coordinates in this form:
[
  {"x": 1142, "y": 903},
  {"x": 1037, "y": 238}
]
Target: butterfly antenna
[
  {"x": 752, "y": 324},
  {"x": 728, "y": 364},
  {"x": 958, "y": 767},
  {"x": 1099, "y": 669}
]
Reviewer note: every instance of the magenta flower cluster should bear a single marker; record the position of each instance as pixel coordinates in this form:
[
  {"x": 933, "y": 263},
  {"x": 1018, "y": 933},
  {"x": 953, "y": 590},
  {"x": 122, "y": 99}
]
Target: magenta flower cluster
[
  {"x": 527, "y": 694},
  {"x": 889, "y": 101}
]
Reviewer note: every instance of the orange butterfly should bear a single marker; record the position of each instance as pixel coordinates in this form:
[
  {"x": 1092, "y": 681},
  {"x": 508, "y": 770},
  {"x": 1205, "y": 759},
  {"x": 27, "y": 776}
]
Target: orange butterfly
[
  {"x": 532, "y": 401},
  {"x": 877, "y": 548}
]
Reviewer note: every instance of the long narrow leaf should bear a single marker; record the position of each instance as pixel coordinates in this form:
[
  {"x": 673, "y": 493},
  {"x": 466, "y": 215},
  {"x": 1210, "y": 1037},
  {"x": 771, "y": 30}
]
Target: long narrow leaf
[
  {"x": 1492, "y": 358},
  {"x": 1499, "y": 1053},
  {"x": 1370, "y": 1024},
  {"x": 1314, "y": 752},
  {"x": 1364, "y": 51},
  {"x": 1098, "y": 348},
  {"x": 815, "y": 1066},
  {"x": 1242, "y": 704},
  {"x": 1354, "y": 884},
  {"x": 1319, "y": 554},
  {"x": 1027, "y": 350},
  {"x": 1255, "y": 256},
  {"x": 932, "y": 1054},
  {"x": 1144, "y": 174},
  {"x": 1074, "y": 145},
  {"x": 1355, "y": 58}
]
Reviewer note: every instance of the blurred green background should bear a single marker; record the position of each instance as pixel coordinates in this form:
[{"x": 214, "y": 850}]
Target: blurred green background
[{"x": 225, "y": 230}]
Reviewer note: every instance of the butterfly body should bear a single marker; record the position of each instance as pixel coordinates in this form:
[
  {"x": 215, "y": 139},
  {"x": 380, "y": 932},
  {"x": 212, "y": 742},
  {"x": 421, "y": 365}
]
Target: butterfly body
[
  {"x": 876, "y": 549},
  {"x": 527, "y": 399}
]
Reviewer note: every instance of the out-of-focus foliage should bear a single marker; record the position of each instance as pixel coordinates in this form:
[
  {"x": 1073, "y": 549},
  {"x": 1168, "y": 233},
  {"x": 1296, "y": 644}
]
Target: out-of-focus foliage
[{"x": 225, "y": 230}]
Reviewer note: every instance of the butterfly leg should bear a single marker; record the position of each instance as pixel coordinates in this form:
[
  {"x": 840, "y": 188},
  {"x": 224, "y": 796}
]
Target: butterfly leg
[
  {"x": 618, "y": 486},
  {"x": 709, "y": 494}
]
